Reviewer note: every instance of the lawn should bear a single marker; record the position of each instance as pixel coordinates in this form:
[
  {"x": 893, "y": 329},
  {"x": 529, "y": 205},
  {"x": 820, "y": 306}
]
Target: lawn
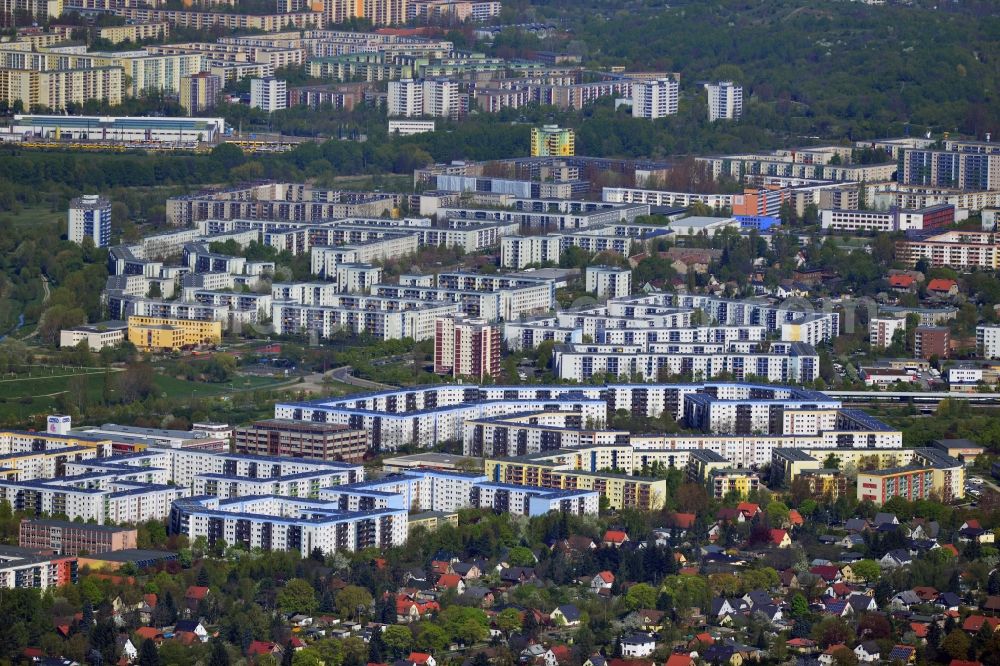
[
  {"x": 173, "y": 387},
  {"x": 36, "y": 215},
  {"x": 23, "y": 397}
]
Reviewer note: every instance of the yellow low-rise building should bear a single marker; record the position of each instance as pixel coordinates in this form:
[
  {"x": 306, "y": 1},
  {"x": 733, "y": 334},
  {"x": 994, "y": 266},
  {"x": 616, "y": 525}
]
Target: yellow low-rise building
[
  {"x": 620, "y": 490},
  {"x": 135, "y": 32},
  {"x": 161, "y": 333}
]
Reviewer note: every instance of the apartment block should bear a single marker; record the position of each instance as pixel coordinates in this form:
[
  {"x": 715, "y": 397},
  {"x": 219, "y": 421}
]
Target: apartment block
[
  {"x": 552, "y": 141},
  {"x": 23, "y": 568},
  {"x": 200, "y": 92},
  {"x": 54, "y": 89},
  {"x": 725, "y": 101},
  {"x": 171, "y": 334},
  {"x": 287, "y": 523},
  {"x": 135, "y": 32},
  {"x": 655, "y": 98},
  {"x": 609, "y": 281},
  {"x": 962, "y": 168},
  {"x": 881, "y": 330},
  {"x": 962, "y": 250},
  {"x": 466, "y": 347},
  {"x": 988, "y": 340},
  {"x": 894, "y": 219},
  {"x": 296, "y": 439},
  {"x": 90, "y": 217},
  {"x": 68, "y": 538},
  {"x": 930, "y": 341},
  {"x": 268, "y": 94}
]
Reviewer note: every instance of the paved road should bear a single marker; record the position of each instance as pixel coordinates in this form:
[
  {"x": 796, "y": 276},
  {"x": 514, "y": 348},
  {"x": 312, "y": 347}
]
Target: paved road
[{"x": 343, "y": 375}]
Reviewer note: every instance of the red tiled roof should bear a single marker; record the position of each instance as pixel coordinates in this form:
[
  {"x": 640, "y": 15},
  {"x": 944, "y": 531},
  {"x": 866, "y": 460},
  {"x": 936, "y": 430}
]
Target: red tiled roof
[
  {"x": 940, "y": 284},
  {"x": 615, "y": 536},
  {"x": 795, "y": 518},
  {"x": 748, "y": 509},
  {"x": 418, "y": 657},
  {"x": 963, "y": 662},
  {"x": 607, "y": 576},
  {"x": 974, "y": 623},
  {"x": 196, "y": 592},
  {"x": 148, "y": 632},
  {"x": 903, "y": 281},
  {"x": 260, "y": 647},
  {"x": 919, "y": 629},
  {"x": 450, "y": 581},
  {"x": 777, "y": 536},
  {"x": 684, "y": 521},
  {"x": 679, "y": 660},
  {"x": 150, "y": 600}
]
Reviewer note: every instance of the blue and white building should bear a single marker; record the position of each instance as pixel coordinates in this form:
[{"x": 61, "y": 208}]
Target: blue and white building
[{"x": 90, "y": 217}]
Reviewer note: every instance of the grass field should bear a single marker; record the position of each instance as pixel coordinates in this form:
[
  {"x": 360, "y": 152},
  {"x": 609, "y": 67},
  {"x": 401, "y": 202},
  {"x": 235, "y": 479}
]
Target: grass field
[
  {"x": 36, "y": 215},
  {"x": 173, "y": 387},
  {"x": 23, "y": 397}
]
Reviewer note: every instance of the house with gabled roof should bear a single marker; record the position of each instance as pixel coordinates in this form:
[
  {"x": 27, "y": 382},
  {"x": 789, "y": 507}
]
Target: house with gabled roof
[
  {"x": 614, "y": 539},
  {"x": 906, "y": 654},
  {"x": 603, "y": 580},
  {"x": 779, "y": 538},
  {"x": 566, "y": 615},
  {"x": 868, "y": 652}
]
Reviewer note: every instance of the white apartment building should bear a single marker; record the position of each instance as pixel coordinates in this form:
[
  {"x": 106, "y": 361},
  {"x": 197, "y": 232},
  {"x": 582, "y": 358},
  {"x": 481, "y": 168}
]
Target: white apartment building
[
  {"x": 431, "y": 97},
  {"x": 416, "y": 322},
  {"x": 441, "y": 98},
  {"x": 988, "y": 340},
  {"x": 268, "y": 94},
  {"x": 725, "y": 101},
  {"x": 655, "y": 98},
  {"x": 965, "y": 374},
  {"x": 609, "y": 281},
  {"x": 410, "y": 127},
  {"x": 97, "y": 336},
  {"x": 286, "y": 523},
  {"x": 882, "y": 329},
  {"x": 90, "y": 217},
  {"x": 466, "y": 347},
  {"x": 405, "y": 98},
  {"x": 523, "y": 251}
]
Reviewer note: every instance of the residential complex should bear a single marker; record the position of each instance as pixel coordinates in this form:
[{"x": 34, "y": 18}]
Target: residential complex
[
  {"x": 655, "y": 98},
  {"x": 90, "y": 217},
  {"x": 68, "y": 538},
  {"x": 962, "y": 250},
  {"x": 268, "y": 94},
  {"x": 552, "y": 141},
  {"x": 466, "y": 347},
  {"x": 294, "y": 439},
  {"x": 725, "y": 101}
]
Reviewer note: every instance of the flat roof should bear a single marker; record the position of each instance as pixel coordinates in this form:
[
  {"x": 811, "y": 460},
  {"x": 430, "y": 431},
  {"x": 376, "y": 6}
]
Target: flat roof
[{"x": 133, "y": 555}]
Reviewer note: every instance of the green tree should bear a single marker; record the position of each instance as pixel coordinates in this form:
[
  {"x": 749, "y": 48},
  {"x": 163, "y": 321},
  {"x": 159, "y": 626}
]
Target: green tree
[
  {"x": 398, "y": 639},
  {"x": 868, "y": 570},
  {"x": 508, "y": 620},
  {"x": 351, "y": 598},
  {"x": 148, "y": 656},
  {"x": 432, "y": 638},
  {"x": 956, "y": 644},
  {"x": 219, "y": 655},
  {"x": 641, "y": 595},
  {"x": 297, "y": 596}
]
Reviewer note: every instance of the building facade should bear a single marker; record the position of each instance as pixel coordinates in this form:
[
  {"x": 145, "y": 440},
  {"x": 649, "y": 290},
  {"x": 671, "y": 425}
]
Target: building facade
[
  {"x": 655, "y": 98},
  {"x": 90, "y": 217},
  {"x": 725, "y": 101},
  {"x": 466, "y": 347},
  {"x": 296, "y": 439}
]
